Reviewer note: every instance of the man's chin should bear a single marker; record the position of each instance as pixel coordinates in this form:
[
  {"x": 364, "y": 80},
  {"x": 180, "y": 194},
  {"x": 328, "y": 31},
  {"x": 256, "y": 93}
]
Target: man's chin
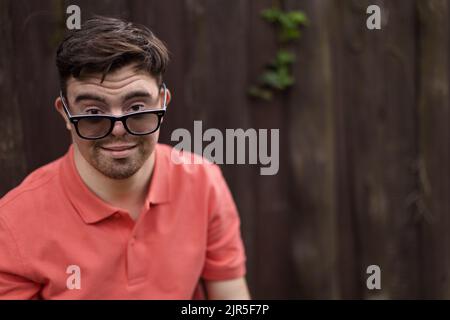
[
  {"x": 117, "y": 172},
  {"x": 118, "y": 167}
]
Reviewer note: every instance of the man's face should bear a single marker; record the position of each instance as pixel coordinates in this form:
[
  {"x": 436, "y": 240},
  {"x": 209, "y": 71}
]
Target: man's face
[{"x": 120, "y": 154}]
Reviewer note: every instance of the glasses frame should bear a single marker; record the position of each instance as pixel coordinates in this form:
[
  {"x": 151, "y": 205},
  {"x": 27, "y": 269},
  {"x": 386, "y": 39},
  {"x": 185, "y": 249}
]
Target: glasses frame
[{"x": 74, "y": 119}]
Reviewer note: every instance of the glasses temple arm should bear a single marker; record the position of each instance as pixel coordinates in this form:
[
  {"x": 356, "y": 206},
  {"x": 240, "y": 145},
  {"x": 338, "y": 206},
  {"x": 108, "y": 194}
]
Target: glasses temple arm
[{"x": 64, "y": 104}]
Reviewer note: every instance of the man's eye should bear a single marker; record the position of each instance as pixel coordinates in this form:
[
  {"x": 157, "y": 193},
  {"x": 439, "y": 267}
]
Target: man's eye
[
  {"x": 137, "y": 107},
  {"x": 92, "y": 111}
]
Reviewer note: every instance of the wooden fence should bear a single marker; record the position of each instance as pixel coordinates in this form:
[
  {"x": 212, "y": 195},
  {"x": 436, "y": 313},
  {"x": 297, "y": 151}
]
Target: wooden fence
[{"x": 364, "y": 133}]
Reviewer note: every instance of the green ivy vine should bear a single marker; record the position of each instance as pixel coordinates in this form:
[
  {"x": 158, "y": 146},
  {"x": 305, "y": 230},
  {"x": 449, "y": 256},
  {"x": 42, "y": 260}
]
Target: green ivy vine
[{"x": 277, "y": 74}]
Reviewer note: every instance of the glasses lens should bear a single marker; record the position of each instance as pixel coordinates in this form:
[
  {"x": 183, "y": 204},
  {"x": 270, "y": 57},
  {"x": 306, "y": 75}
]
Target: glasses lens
[
  {"x": 94, "y": 127},
  {"x": 143, "y": 123}
]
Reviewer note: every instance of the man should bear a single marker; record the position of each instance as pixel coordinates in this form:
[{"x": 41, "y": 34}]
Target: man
[{"x": 116, "y": 218}]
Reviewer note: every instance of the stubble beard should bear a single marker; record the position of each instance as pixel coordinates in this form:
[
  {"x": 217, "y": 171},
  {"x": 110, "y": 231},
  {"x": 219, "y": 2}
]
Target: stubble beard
[{"x": 122, "y": 168}]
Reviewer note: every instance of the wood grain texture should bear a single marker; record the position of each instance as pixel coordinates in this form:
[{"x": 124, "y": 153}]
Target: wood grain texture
[{"x": 364, "y": 172}]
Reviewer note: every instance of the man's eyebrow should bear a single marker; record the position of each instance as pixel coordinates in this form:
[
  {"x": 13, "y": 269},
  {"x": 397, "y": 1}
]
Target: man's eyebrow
[
  {"x": 89, "y": 96},
  {"x": 128, "y": 96},
  {"x": 137, "y": 94}
]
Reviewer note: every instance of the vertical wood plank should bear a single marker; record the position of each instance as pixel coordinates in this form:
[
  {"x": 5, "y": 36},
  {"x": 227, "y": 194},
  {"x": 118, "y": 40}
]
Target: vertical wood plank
[
  {"x": 12, "y": 157},
  {"x": 434, "y": 207},
  {"x": 272, "y": 207},
  {"x": 312, "y": 154},
  {"x": 378, "y": 92}
]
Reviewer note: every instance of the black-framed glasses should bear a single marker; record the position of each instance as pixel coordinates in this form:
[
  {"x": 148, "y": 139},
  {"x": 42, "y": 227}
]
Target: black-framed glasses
[{"x": 140, "y": 123}]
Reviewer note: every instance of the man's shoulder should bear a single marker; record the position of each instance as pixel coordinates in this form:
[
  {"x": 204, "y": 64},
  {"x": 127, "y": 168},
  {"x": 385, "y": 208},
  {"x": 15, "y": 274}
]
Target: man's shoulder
[
  {"x": 193, "y": 179},
  {"x": 36, "y": 186},
  {"x": 184, "y": 164}
]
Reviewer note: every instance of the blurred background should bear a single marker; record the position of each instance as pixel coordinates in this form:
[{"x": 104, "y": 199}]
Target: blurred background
[{"x": 364, "y": 172}]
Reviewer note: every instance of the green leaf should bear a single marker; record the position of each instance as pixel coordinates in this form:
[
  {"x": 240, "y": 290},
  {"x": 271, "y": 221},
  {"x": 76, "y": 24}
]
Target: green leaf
[
  {"x": 284, "y": 78},
  {"x": 286, "y": 23},
  {"x": 277, "y": 74},
  {"x": 270, "y": 78},
  {"x": 271, "y": 15},
  {"x": 298, "y": 17},
  {"x": 289, "y": 34},
  {"x": 284, "y": 57}
]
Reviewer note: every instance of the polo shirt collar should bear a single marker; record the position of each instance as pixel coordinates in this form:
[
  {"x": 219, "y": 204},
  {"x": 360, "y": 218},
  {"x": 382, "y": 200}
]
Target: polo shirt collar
[
  {"x": 159, "y": 190},
  {"x": 92, "y": 208}
]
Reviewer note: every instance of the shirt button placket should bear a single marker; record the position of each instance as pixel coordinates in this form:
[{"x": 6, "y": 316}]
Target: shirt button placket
[{"x": 136, "y": 267}]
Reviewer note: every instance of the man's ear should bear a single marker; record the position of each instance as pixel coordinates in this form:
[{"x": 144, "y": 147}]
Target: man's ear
[
  {"x": 59, "y": 107},
  {"x": 168, "y": 97}
]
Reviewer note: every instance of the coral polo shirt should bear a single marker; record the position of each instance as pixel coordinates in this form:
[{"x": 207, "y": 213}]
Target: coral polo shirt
[{"x": 58, "y": 240}]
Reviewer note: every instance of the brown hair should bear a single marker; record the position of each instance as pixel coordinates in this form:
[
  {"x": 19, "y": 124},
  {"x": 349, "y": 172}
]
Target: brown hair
[{"x": 104, "y": 44}]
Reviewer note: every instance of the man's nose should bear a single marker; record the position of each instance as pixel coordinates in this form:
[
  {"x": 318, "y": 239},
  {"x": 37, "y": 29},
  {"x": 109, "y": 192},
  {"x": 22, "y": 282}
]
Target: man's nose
[{"x": 118, "y": 129}]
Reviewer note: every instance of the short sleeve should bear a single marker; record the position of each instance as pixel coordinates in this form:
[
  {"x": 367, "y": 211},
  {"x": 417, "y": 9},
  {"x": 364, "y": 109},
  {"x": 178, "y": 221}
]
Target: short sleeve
[
  {"x": 13, "y": 283},
  {"x": 225, "y": 255}
]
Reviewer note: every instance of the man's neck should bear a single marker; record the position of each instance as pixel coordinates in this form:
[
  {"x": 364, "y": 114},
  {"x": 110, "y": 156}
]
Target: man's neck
[{"x": 128, "y": 194}]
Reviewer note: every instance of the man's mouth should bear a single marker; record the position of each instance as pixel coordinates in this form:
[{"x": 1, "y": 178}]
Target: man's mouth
[
  {"x": 118, "y": 151},
  {"x": 119, "y": 147}
]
